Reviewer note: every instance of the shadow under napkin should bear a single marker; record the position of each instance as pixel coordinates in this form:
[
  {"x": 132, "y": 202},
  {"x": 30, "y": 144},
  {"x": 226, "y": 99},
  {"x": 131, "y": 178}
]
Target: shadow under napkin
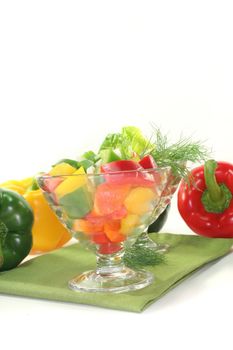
[{"x": 46, "y": 276}]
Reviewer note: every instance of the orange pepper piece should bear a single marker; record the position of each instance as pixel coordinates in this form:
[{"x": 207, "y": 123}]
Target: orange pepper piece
[
  {"x": 87, "y": 227},
  {"x": 112, "y": 231}
]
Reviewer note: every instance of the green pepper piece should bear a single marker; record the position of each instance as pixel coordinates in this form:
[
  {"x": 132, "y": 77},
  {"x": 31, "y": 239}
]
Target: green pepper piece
[
  {"x": 108, "y": 156},
  {"x": 77, "y": 204},
  {"x": 85, "y": 163},
  {"x": 16, "y": 220}
]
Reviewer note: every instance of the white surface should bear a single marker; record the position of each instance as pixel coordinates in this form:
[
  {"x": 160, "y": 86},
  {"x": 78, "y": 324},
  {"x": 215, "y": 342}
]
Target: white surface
[{"x": 70, "y": 71}]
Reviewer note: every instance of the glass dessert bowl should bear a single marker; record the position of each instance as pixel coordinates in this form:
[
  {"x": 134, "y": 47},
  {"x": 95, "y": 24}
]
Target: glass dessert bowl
[{"x": 108, "y": 212}]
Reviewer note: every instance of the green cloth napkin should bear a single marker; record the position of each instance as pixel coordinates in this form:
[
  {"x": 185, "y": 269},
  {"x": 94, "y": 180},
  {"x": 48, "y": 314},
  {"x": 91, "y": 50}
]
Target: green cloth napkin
[{"x": 46, "y": 276}]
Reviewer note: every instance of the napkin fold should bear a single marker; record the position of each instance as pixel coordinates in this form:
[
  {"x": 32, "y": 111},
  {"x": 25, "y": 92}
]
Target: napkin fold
[{"x": 46, "y": 276}]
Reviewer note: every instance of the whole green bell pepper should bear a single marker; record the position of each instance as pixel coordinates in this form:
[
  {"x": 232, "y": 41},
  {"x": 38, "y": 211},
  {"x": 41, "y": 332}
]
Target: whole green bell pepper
[
  {"x": 157, "y": 225},
  {"x": 16, "y": 220}
]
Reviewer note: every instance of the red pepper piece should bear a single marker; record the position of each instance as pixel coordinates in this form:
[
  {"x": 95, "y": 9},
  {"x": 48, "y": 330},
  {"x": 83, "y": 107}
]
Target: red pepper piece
[
  {"x": 94, "y": 218},
  {"x": 127, "y": 172},
  {"x": 148, "y": 162},
  {"x": 109, "y": 248},
  {"x": 120, "y": 165},
  {"x": 51, "y": 183},
  {"x": 100, "y": 238},
  {"x": 206, "y": 204}
]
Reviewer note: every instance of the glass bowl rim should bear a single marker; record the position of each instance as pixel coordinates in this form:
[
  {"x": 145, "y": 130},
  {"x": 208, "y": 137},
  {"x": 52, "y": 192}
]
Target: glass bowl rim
[{"x": 157, "y": 169}]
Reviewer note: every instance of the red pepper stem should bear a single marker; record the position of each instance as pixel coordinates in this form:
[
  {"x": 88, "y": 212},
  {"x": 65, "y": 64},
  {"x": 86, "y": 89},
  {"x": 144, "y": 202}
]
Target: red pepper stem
[
  {"x": 217, "y": 197},
  {"x": 214, "y": 190}
]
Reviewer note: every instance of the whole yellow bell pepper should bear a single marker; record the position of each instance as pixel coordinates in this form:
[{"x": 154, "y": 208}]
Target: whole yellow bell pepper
[
  {"x": 48, "y": 233},
  {"x": 18, "y": 186}
]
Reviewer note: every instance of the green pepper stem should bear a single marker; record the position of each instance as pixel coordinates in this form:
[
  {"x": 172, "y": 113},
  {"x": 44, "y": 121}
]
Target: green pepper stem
[
  {"x": 217, "y": 197},
  {"x": 3, "y": 232},
  {"x": 33, "y": 187}
]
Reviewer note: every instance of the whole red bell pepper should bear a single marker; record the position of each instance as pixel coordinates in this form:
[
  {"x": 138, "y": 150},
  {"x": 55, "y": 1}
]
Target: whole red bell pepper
[{"x": 206, "y": 204}]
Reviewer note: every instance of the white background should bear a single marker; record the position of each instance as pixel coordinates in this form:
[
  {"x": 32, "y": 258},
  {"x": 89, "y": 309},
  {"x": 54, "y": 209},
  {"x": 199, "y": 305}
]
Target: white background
[{"x": 71, "y": 71}]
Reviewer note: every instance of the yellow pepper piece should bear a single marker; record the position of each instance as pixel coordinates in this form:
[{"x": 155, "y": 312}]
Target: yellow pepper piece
[
  {"x": 139, "y": 199},
  {"x": 71, "y": 183},
  {"x": 62, "y": 169},
  {"x": 128, "y": 223}
]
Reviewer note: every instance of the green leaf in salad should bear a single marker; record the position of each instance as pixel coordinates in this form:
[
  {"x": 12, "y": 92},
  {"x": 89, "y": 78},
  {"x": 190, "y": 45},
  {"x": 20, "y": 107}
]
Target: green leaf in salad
[
  {"x": 135, "y": 140},
  {"x": 92, "y": 156},
  {"x": 125, "y": 144},
  {"x": 112, "y": 141}
]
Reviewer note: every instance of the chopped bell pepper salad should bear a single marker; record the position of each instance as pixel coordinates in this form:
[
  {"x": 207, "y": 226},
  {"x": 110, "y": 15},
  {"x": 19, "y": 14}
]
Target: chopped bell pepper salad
[
  {"x": 109, "y": 195},
  {"x": 106, "y": 207}
]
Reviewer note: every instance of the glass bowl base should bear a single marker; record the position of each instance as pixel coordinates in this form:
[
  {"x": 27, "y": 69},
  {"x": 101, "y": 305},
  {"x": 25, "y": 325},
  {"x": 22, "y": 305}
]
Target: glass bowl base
[
  {"x": 157, "y": 247},
  {"x": 146, "y": 242},
  {"x": 118, "y": 282}
]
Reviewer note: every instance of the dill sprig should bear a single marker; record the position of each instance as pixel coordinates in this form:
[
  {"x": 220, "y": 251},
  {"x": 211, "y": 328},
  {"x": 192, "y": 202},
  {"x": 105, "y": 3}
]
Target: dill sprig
[
  {"x": 176, "y": 155},
  {"x": 138, "y": 256}
]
